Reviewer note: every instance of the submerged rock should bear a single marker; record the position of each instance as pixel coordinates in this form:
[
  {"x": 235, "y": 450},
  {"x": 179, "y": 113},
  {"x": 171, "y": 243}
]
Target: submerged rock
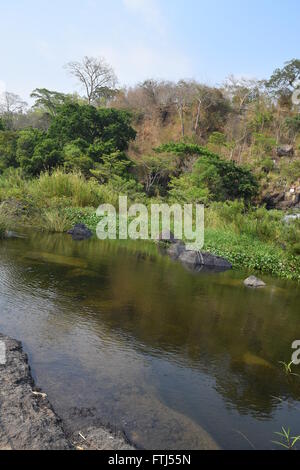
[
  {"x": 253, "y": 360},
  {"x": 80, "y": 232},
  {"x": 56, "y": 259},
  {"x": 253, "y": 281}
]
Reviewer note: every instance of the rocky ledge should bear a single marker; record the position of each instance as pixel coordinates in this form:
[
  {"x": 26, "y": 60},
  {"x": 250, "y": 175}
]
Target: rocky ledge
[{"x": 27, "y": 419}]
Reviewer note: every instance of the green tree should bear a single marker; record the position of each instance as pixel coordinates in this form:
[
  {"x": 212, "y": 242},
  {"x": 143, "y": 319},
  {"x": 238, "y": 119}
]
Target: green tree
[
  {"x": 8, "y": 149},
  {"x": 75, "y": 121},
  {"x": 113, "y": 164},
  {"x": 36, "y": 152},
  {"x": 222, "y": 178},
  {"x": 284, "y": 81},
  {"x": 47, "y": 100}
]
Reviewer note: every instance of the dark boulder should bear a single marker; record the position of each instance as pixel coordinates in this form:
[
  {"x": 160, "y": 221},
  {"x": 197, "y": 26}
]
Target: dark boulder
[
  {"x": 176, "y": 249},
  {"x": 202, "y": 259},
  {"x": 80, "y": 232}
]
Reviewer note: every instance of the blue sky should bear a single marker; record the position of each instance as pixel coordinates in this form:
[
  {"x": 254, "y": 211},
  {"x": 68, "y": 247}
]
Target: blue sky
[{"x": 202, "y": 39}]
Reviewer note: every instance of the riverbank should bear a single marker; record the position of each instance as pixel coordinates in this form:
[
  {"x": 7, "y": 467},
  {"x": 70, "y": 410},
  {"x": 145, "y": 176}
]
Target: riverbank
[
  {"x": 27, "y": 419},
  {"x": 250, "y": 238},
  {"x": 243, "y": 250}
]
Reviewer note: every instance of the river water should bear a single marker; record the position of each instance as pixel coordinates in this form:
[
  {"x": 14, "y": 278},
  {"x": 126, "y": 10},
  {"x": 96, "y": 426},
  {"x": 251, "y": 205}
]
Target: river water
[{"x": 178, "y": 360}]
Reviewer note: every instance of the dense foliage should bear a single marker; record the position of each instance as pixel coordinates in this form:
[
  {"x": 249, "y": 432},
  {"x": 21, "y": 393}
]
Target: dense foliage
[{"x": 79, "y": 137}]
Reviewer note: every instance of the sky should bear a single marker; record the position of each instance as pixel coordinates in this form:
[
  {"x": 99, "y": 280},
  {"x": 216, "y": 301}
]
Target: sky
[{"x": 206, "y": 40}]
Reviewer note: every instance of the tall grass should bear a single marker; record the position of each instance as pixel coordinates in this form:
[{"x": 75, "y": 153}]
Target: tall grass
[
  {"x": 13, "y": 184},
  {"x": 257, "y": 223},
  {"x": 70, "y": 188},
  {"x": 54, "y": 220}
]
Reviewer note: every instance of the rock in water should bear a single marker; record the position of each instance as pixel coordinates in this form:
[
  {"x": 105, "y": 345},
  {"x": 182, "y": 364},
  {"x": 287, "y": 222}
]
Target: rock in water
[
  {"x": 176, "y": 249},
  {"x": 201, "y": 258},
  {"x": 253, "y": 281},
  {"x": 80, "y": 232}
]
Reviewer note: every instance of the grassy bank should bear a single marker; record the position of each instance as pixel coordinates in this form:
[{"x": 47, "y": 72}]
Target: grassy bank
[{"x": 250, "y": 238}]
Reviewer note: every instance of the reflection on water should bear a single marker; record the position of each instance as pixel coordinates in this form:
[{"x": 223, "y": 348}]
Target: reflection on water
[{"x": 176, "y": 359}]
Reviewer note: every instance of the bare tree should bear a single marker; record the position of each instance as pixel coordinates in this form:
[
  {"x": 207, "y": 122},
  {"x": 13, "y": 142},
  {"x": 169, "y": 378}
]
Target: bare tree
[
  {"x": 11, "y": 104},
  {"x": 96, "y": 76},
  {"x": 183, "y": 96},
  {"x": 242, "y": 91},
  {"x": 11, "y": 108}
]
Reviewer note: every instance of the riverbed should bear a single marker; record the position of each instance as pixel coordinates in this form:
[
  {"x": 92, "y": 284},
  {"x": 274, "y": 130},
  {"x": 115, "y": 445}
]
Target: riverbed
[{"x": 176, "y": 359}]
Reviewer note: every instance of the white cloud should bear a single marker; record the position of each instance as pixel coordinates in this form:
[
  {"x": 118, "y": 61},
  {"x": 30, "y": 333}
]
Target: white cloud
[{"x": 149, "y": 11}]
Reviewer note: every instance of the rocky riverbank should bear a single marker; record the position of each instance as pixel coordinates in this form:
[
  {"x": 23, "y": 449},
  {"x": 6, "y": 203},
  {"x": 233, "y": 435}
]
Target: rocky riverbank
[{"x": 27, "y": 419}]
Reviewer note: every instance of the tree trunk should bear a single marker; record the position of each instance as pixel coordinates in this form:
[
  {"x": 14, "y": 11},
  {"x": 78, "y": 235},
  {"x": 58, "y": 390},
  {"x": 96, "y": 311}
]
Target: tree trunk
[
  {"x": 181, "y": 115},
  {"x": 198, "y": 116}
]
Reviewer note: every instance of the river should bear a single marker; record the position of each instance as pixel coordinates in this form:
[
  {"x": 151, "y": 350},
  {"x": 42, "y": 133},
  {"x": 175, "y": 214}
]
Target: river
[{"x": 178, "y": 360}]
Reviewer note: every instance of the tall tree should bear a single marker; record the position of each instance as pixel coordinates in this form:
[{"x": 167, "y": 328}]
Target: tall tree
[
  {"x": 48, "y": 100},
  {"x": 283, "y": 82},
  {"x": 96, "y": 76}
]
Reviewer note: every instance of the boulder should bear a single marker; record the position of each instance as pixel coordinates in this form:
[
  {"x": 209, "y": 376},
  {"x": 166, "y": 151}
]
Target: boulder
[
  {"x": 288, "y": 199},
  {"x": 176, "y": 249},
  {"x": 285, "y": 151},
  {"x": 80, "y": 232},
  {"x": 201, "y": 258},
  {"x": 253, "y": 281}
]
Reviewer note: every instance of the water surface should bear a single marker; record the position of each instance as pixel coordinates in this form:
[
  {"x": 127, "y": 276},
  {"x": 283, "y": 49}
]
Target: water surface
[{"x": 176, "y": 359}]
